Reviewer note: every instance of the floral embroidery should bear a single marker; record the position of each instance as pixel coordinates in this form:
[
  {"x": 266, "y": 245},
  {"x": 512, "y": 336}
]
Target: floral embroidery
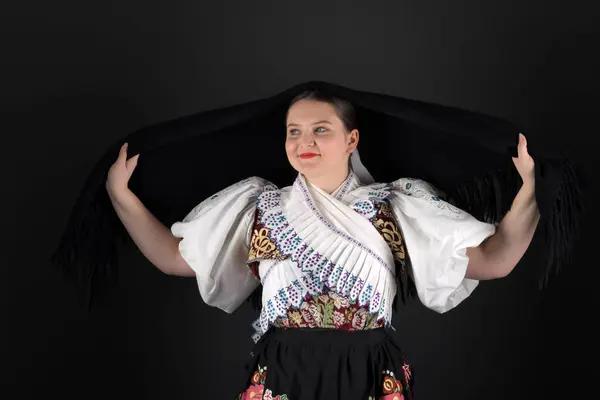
[
  {"x": 260, "y": 376},
  {"x": 319, "y": 273},
  {"x": 407, "y": 374},
  {"x": 208, "y": 202},
  {"x": 377, "y": 210},
  {"x": 269, "y": 396},
  {"x": 392, "y": 388},
  {"x": 261, "y": 246},
  {"x": 329, "y": 310},
  {"x": 387, "y": 227},
  {"x": 256, "y": 390},
  {"x": 393, "y": 396},
  {"x": 422, "y": 189}
]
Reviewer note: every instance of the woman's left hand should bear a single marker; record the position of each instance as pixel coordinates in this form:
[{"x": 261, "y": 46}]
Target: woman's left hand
[{"x": 524, "y": 163}]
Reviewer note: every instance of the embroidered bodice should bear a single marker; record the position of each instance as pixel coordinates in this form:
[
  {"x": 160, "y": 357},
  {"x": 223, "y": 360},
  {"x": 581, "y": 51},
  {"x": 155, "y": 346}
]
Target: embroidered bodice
[{"x": 329, "y": 260}]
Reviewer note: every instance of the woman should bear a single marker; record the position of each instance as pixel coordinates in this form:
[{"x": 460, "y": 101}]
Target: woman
[{"x": 329, "y": 254}]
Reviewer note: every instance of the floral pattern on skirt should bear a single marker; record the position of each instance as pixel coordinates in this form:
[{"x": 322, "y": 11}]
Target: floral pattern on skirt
[
  {"x": 392, "y": 388},
  {"x": 256, "y": 390}
]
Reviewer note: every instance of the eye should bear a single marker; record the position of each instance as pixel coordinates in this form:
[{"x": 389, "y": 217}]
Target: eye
[
  {"x": 320, "y": 127},
  {"x": 292, "y": 131}
]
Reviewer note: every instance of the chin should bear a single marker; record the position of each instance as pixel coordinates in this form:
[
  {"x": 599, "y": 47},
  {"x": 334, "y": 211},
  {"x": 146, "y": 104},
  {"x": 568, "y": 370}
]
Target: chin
[{"x": 310, "y": 170}]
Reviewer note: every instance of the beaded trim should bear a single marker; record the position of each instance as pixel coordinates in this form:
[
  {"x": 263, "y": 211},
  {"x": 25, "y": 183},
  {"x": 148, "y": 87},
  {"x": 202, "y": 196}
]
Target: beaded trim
[
  {"x": 321, "y": 218},
  {"x": 347, "y": 184}
]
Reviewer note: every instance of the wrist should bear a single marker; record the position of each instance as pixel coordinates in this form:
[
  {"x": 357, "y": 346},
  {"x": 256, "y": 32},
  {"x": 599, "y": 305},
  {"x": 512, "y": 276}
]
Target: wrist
[
  {"x": 529, "y": 185},
  {"x": 121, "y": 197}
]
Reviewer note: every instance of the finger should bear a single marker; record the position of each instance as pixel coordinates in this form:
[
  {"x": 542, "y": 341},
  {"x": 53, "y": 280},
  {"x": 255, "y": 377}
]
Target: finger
[
  {"x": 523, "y": 139},
  {"x": 132, "y": 162},
  {"x": 123, "y": 153},
  {"x": 522, "y": 147}
]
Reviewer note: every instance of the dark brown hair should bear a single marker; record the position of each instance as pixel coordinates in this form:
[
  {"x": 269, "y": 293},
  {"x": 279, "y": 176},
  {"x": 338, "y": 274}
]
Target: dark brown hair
[{"x": 343, "y": 108}]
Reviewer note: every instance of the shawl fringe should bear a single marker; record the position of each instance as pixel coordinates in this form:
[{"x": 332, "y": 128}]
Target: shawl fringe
[
  {"x": 490, "y": 197},
  {"x": 87, "y": 254}
]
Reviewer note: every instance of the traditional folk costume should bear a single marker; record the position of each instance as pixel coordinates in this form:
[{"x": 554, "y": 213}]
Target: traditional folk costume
[{"x": 326, "y": 270}]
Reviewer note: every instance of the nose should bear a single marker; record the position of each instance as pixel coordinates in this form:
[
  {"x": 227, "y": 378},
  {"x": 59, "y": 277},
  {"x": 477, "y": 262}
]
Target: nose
[{"x": 307, "y": 140}]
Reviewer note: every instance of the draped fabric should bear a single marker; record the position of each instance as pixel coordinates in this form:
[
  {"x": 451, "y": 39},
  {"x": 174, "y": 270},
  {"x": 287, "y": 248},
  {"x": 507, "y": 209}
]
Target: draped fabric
[{"x": 466, "y": 155}]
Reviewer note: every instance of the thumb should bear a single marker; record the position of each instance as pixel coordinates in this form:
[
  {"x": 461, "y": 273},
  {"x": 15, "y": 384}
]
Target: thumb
[{"x": 132, "y": 162}]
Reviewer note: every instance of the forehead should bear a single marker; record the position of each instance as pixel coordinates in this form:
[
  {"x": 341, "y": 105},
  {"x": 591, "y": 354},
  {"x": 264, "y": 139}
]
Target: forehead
[{"x": 307, "y": 111}]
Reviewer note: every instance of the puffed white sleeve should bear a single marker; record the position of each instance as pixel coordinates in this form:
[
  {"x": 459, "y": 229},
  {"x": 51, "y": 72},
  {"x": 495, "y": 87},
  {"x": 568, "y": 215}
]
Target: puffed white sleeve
[
  {"x": 437, "y": 235},
  {"x": 215, "y": 242}
]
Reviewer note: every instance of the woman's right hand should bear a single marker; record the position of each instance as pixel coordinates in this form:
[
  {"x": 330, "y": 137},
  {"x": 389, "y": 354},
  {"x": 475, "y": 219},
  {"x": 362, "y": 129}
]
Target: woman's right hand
[{"x": 120, "y": 172}]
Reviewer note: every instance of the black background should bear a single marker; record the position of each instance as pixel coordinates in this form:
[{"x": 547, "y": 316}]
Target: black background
[{"x": 76, "y": 76}]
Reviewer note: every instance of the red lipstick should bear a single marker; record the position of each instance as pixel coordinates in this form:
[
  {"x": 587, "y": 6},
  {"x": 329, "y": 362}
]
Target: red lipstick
[{"x": 308, "y": 155}]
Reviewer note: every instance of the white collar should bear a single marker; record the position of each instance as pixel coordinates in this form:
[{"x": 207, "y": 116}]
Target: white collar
[{"x": 349, "y": 184}]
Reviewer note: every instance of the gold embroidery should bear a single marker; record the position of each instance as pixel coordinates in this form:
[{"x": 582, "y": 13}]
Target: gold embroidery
[
  {"x": 388, "y": 229},
  {"x": 261, "y": 245},
  {"x": 385, "y": 209}
]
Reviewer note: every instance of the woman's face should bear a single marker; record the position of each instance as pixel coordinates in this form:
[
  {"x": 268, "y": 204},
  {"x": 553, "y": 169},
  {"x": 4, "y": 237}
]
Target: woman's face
[{"x": 313, "y": 127}]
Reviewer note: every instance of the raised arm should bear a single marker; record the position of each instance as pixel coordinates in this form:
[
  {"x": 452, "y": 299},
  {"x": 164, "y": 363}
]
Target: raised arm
[
  {"x": 497, "y": 256},
  {"x": 152, "y": 237}
]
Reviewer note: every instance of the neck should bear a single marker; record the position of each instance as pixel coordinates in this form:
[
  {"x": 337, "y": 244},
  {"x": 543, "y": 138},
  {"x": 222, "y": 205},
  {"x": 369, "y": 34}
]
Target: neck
[{"x": 329, "y": 182}]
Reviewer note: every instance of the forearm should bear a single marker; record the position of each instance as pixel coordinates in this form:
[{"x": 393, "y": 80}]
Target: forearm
[
  {"x": 154, "y": 239},
  {"x": 503, "y": 250}
]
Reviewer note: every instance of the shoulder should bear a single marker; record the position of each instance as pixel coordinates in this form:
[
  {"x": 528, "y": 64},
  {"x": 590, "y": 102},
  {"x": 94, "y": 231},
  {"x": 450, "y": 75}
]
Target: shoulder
[
  {"x": 416, "y": 187},
  {"x": 256, "y": 181},
  {"x": 409, "y": 194},
  {"x": 233, "y": 198},
  {"x": 406, "y": 186},
  {"x": 250, "y": 185}
]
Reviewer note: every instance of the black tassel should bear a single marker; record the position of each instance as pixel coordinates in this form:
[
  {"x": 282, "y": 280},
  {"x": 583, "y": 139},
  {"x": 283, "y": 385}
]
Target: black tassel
[
  {"x": 87, "y": 252},
  {"x": 559, "y": 224},
  {"x": 490, "y": 197}
]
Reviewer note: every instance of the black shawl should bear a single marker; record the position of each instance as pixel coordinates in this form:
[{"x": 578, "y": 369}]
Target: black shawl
[{"x": 182, "y": 161}]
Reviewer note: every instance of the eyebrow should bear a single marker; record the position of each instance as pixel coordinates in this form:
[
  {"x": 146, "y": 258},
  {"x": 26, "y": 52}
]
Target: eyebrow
[{"x": 314, "y": 123}]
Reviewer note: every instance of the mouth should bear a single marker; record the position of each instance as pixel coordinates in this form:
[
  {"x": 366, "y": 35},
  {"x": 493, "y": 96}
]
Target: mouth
[{"x": 308, "y": 155}]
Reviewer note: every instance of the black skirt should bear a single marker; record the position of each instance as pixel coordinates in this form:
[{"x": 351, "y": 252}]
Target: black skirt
[{"x": 313, "y": 364}]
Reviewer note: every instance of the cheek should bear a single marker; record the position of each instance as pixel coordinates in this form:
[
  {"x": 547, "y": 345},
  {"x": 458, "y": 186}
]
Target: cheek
[
  {"x": 290, "y": 149},
  {"x": 332, "y": 148},
  {"x": 288, "y": 146}
]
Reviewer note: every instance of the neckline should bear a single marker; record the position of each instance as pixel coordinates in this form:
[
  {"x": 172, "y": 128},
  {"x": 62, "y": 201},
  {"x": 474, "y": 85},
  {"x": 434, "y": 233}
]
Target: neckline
[{"x": 350, "y": 183}]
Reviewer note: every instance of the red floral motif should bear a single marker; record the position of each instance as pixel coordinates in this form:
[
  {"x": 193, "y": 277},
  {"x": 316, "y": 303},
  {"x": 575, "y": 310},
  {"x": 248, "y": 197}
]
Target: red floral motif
[
  {"x": 254, "y": 392},
  {"x": 393, "y": 396},
  {"x": 329, "y": 310},
  {"x": 360, "y": 319},
  {"x": 392, "y": 387}
]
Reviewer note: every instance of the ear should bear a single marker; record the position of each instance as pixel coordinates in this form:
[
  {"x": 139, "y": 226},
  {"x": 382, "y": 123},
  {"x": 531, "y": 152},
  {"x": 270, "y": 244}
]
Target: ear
[{"x": 353, "y": 143}]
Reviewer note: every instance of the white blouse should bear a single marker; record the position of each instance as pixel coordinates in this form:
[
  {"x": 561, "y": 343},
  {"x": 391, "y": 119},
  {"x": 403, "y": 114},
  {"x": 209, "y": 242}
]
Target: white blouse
[{"x": 327, "y": 242}]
